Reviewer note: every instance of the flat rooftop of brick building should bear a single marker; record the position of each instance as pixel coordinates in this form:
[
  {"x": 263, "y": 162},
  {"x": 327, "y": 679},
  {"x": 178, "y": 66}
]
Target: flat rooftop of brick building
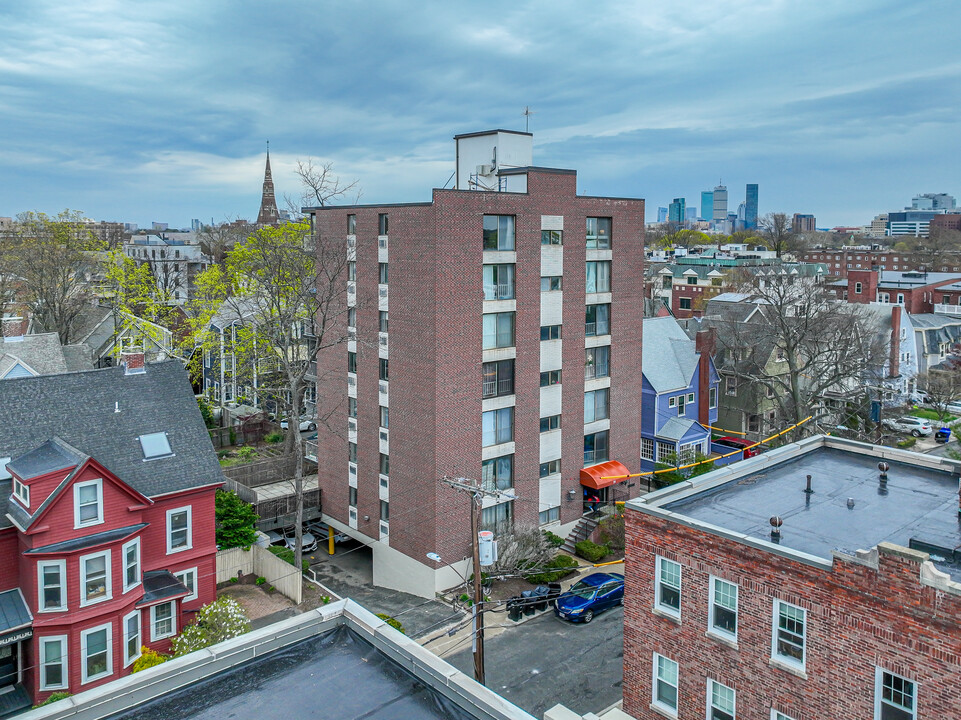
[{"x": 849, "y": 509}]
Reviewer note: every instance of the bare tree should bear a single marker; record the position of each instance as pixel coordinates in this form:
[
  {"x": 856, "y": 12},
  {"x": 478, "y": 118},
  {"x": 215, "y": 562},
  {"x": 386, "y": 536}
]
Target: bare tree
[
  {"x": 777, "y": 233},
  {"x": 217, "y": 240},
  {"x": 319, "y": 186},
  {"x": 942, "y": 386},
  {"x": 524, "y": 549}
]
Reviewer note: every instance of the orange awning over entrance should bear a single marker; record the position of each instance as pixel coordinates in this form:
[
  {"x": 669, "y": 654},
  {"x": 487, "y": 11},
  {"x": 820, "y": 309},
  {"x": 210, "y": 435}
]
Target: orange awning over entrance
[{"x": 592, "y": 477}]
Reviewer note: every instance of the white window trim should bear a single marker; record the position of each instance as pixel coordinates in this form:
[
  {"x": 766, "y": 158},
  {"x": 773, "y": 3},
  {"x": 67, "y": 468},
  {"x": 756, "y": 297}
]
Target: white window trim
[
  {"x": 21, "y": 492},
  {"x": 672, "y": 402},
  {"x": 784, "y": 659},
  {"x": 127, "y": 660},
  {"x": 193, "y": 571},
  {"x": 666, "y": 709},
  {"x": 778, "y": 715},
  {"x": 62, "y": 564},
  {"x": 64, "y": 659},
  {"x": 690, "y": 398},
  {"x": 712, "y": 397},
  {"x": 878, "y": 680},
  {"x": 123, "y": 555},
  {"x": 190, "y": 529},
  {"x": 710, "y": 697},
  {"x": 673, "y": 612},
  {"x": 83, "y": 578},
  {"x": 76, "y": 503},
  {"x": 154, "y": 637},
  {"x": 84, "y": 678},
  {"x": 711, "y": 628}
]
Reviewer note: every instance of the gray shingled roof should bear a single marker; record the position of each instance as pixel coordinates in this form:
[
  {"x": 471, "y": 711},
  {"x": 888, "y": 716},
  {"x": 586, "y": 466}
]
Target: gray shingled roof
[
  {"x": 13, "y": 610},
  {"x": 52, "y": 455},
  {"x": 669, "y": 359},
  {"x": 41, "y": 353},
  {"x": 103, "y": 413}
]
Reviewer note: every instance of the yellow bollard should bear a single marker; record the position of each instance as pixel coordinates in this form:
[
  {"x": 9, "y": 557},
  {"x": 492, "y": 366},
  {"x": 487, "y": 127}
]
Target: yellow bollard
[{"x": 330, "y": 540}]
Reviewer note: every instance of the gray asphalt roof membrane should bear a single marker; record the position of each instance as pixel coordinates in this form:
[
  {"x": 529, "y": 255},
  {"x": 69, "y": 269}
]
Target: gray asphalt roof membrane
[
  {"x": 918, "y": 504},
  {"x": 335, "y": 676}
]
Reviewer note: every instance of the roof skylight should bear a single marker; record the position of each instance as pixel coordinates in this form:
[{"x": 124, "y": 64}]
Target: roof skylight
[{"x": 155, "y": 445}]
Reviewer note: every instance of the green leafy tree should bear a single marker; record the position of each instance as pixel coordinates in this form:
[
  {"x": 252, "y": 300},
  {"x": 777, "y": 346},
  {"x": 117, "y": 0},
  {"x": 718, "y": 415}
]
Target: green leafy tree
[
  {"x": 220, "y": 620},
  {"x": 235, "y": 521}
]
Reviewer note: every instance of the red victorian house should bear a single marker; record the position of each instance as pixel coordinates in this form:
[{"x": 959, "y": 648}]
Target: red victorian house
[{"x": 107, "y": 542}]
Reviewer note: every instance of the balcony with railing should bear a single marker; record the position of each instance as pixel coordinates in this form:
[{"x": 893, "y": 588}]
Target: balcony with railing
[
  {"x": 496, "y": 388},
  {"x": 943, "y": 309},
  {"x": 499, "y": 291},
  {"x": 592, "y": 457}
]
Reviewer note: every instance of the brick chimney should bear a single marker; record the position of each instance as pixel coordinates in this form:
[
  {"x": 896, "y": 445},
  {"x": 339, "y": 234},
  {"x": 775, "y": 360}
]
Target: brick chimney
[
  {"x": 895, "y": 362},
  {"x": 867, "y": 282},
  {"x": 13, "y": 329},
  {"x": 705, "y": 343},
  {"x": 133, "y": 361}
]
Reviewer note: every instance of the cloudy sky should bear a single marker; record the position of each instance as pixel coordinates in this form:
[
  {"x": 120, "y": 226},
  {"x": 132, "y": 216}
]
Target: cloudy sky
[{"x": 160, "y": 111}]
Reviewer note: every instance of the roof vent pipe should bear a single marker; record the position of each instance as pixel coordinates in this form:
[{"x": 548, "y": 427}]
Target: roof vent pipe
[
  {"x": 808, "y": 489},
  {"x": 776, "y": 523},
  {"x": 883, "y": 467},
  {"x": 850, "y": 503}
]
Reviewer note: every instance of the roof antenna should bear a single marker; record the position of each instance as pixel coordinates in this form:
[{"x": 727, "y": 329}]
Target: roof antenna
[
  {"x": 527, "y": 118},
  {"x": 116, "y": 407}
]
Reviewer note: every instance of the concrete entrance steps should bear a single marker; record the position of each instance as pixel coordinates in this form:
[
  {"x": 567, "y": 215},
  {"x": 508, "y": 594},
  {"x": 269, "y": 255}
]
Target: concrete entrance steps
[{"x": 585, "y": 526}]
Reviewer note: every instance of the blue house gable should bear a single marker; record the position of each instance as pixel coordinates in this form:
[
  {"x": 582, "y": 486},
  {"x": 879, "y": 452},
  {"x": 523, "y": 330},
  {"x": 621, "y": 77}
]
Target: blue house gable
[{"x": 676, "y": 406}]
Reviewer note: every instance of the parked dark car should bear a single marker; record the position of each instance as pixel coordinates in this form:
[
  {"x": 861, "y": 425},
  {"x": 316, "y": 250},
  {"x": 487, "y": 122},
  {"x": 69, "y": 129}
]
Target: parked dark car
[
  {"x": 739, "y": 444},
  {"x": 589, "y": 596}
]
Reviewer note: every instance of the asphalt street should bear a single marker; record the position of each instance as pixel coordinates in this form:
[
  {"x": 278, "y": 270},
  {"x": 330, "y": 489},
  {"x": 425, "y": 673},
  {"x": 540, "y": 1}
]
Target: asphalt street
[{"x": 547, "y": 660}]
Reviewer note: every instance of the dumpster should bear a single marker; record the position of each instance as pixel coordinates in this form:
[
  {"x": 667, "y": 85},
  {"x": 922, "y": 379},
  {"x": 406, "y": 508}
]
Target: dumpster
[
  {"x": 942, "y": 435},
  {"x": 514, "y": 609}
]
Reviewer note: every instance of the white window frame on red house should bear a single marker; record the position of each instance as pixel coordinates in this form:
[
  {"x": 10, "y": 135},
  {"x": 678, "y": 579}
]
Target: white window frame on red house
[
  {"x": 154, "y": 635},
  {"x": 712, "y": 627},
  {"x": 879, "y": 674},
  {"x": 21, "y": 492},
  {"x": 192, "y": 572},
  {"x": 127, "y": 565},
  {"x": 711, "y": 705},
  {"x": 108, "y": 580},
  {"x": 44, "y": 664},
  {"x": 84, "y": 678},
  {"x": 657, "y": 681},
  {"x": 77, "y": 522},
  {"x": 189, "y": 530},
  {"x": 659, "y": 582},
  {"x": 61, "y": 565},
  {"x": 778, "y": 715},
  {"x": 779, "y": 657},
  {"x": 128, "y": 636}
]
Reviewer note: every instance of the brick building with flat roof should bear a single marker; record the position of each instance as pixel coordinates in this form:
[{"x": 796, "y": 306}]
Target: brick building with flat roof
[
  {"x": 851, "y": 609},
  {"x": 512, "y": 356}
]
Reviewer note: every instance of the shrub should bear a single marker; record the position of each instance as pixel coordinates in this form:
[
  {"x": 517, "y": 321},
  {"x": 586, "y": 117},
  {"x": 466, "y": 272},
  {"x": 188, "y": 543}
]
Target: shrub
[
  {"x": 206, "y": 412},
  {"x": 325, "y": 599},
  {"x": 235, "y": 521},
  {"x": 223, "y": 454},
  {"x": 220, "y": 620},
  {"x": 552, "y": 539},
  {"x": 554, "y": 570},
  {"x": 148, "y": 658},
  {"x": 592, "y": 552},
  {"x": 287, "y": 555},
  {"x": 246, "y": 453},
  {"x": 233, "y": 580},
  {"x": 907, "y": 443},
  {"x": 612, "y": 532},
  {"x": 54, "y": 697},
  {"x": 393, "y": 622},
  {"x": 274, "y": 437},
  {"x": 261, "y": 580},
  {"x": 233, "y": 436}
]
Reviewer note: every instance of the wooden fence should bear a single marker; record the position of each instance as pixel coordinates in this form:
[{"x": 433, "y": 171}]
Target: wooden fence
[
  {"x": 262, "y": 563},
  {"x": 243, "y": 433}
]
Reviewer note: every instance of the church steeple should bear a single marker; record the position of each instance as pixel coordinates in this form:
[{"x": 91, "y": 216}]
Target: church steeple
[{"x": 268, "y": 215}]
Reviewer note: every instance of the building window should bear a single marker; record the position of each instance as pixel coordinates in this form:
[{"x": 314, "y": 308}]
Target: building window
[
  {"x": 680, "y": 404},
  {"x": 95, "y": 646},
  {"x": 352, "y": 317},
  {"x": 647, "y": 449},
  {"x": 857, "y": 288},
  {"x": 498, "y": 426},
  {"x": 597, "y": 362},
  {"x": 178, "y": 530},
  {"x": 667, "y": 282},
  {"x": 552, "y": 237},
  {"x": 162, "y": 623},
  {"x": 550, "y": 284},
  {"x": 95, "y": 578},
  {"x": 720, "y": 701},
  {"x": 597, "y": 320},
  {"x": 351, "y": 224},
  {"x": 730, "y": 385},
  {"x": 723, "y": 605},
  {"x": 383, "y": 321},
  {"x": 775, "y": 715},
  {"x": 351, "y": 361},
  {"x": 598, "y": 277},
  {"x": 88, "y": 503},
  {"x": 665, "y": 684},
  {"x": 352, "y": 451},
  {"x": 550, "y": 332},
  {"x": 352, "y": 497},
  {"x": 499, "y": 282},
  {"x": 52, "y": 579},
  {"x": 384, "y": 373},
  {"x": 692, "y": 279},
  {"x": 599, "y": 233},
  {"x": 684, "y": 303},
  {"x": 550, "y": 423},
  {"x": 498, "y": 518},
  {"x": 20, "y": 491},
  {"x": 712, "y": 397},
  {"x": 384, "y": 464},
  {"x": 667, "y": 586},
  {"x": 551, "y": 377},
  {"x": 551, "y": 515},
  {"x": 352, "y": 271},
  {"x": 688, "y": 453},
  {"x": 550, "y": 468},
  {"x": 351, "y": 407},
  {"x": 596, "y": 405},
  {"x": 716, "y": 282},
  {"x": 53, "y": 662},
  {"x": 384, "y": 511},
  {"x": 754, "y": 423},
  {"x": 189, "y": 579},
  {"x": 382, "y": 224},
  {"x": 895, "y": 697},
  {"x": 498, "y": 378},
  {"x": 596, "y": 447},
  {"x": 498, "y": 473},
  {"x": 498, "y": 330},
  {"x": 382, "y": 273},
  {"x": 384, "y": 417},
  {"x": 131, "y": 637},
  {"x": 131, "y": 564},
  {"x": 498, "y": 232},
  {"x": 790, "y": 623}
]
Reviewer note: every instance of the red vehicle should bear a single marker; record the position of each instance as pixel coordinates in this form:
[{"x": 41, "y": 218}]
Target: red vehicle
[{"x": 736, "y": 443}]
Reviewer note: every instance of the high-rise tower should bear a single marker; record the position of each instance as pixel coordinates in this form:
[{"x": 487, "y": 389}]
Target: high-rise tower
[
  {"x": 750, "y": 207},
  {"x": 268, "y": 215},
  {"x": 720, "y": 203}
]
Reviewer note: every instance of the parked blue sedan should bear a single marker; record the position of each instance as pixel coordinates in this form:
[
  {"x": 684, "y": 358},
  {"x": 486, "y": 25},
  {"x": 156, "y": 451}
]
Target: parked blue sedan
[{"x": 589, "y": 596}]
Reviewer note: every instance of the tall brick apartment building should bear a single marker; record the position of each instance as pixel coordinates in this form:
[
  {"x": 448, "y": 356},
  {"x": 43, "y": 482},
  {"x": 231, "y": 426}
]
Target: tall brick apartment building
[
  {"x": 851, "y": 610},
  {"x": 498, "y": 337}
]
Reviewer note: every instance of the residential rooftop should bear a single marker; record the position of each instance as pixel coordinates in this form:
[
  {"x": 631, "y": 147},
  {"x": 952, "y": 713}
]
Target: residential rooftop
[{"x": 848, "y": 510}]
